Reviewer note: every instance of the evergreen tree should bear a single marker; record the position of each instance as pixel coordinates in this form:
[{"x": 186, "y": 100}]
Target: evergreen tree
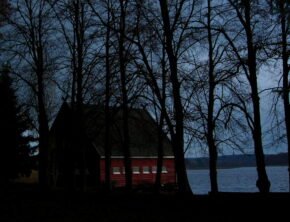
[{"x": 14, "y": 146}]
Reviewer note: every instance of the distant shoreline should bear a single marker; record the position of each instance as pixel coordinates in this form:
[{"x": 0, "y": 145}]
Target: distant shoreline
[
  {"x": 237, "y": 161},
  {"x": 224, "y": 168}
]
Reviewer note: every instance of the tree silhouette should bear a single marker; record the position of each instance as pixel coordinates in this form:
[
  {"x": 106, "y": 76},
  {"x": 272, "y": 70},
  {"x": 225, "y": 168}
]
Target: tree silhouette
[
  {"x": 250, "y": 63},
  {"x": 178, "y": 137},
  {"x": 14, "y": 158},
  {"x": 30, "y": 25}
]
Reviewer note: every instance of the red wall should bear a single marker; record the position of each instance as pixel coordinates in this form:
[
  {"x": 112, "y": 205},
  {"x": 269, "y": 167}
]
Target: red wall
[{"x": 141, "y": 178}]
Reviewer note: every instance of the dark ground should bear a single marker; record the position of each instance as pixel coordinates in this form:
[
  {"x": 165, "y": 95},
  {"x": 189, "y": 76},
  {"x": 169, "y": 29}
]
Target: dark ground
[{"x": 26, "y": 204}]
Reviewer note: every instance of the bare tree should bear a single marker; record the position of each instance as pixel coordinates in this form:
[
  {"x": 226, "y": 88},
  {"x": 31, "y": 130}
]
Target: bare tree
[
  {"x": 108, "y": 147},
  {"x": 284, "y": 23},
  {"x": 76, "y": 23},
  {"x": 243, "y": 10},
  {"x": 178, "y": 136},
  {"x": 210, "y": 119},
  {"x": 121, "y": 79},
  {"x": 152, "y": 43},
  {"x": 28, "y": 46},
  {"x": 282, "y": 9},
  {"x": 125, "y": 117}
]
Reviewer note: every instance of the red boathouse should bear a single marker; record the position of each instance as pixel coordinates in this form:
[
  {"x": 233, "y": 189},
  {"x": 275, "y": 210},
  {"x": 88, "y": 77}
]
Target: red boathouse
[{"x": 66, "y": 157}]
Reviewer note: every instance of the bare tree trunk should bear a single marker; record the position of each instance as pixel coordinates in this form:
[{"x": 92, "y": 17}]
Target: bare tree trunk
[
  {"x": 263, "y": 182},
  {"x": 159, "y": 154},
  {"x": 74, "y": 77},
  {"x": 160, "y": 126},
  {"x": 286, "y": 87},
  {"x": 210, "y": 120},
  {"x": 108, "y": 147},
  {"x": 79, "y": 36},
  {"x": 126, "y": 139},
  {"x": 177, "y": 138},
  {"x": 43, "y": 135},
  {"x": 37, "y": 41}
]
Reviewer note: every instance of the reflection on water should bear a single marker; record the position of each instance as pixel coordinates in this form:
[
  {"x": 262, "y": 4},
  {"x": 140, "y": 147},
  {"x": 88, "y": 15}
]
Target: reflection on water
[{"x": 238, "y": 180}]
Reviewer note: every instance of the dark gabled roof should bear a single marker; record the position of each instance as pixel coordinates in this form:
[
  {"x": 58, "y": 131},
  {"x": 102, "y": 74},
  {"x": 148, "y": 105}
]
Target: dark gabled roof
[{"x": 142, "y": 131}]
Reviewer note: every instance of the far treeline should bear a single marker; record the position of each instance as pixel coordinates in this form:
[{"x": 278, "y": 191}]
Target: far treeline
[
  {"x": 234, "y": 161},
  {"x": 197, "y": 66}
]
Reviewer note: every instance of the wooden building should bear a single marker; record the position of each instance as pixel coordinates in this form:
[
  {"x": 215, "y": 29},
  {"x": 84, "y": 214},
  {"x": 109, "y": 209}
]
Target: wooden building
[{"x": 67, "y": 156}]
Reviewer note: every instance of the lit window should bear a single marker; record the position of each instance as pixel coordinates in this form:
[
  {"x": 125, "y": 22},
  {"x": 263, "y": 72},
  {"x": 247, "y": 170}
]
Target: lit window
[
  {"x": 136, "y": 170},
  {"x": 154, "y": 169},
  {"x": 116, "y": 170},
  {"x": 146, "y": 170},
  {"x": 164, "y": 170}
]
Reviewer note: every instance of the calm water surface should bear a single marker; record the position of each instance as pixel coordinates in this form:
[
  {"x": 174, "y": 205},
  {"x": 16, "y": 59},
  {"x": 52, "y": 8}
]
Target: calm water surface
[{"x": 238, "y": 180}]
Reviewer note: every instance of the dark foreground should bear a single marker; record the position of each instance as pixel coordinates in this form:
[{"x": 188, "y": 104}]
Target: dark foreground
[{"x": 31, "y": 205}]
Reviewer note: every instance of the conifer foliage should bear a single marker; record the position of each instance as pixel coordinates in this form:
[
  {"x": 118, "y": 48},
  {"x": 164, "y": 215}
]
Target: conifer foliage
[{"x": 14, "y": 145}]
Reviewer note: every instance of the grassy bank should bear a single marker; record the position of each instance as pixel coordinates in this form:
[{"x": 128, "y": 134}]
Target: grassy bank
[{"x": 31, "y": 205}]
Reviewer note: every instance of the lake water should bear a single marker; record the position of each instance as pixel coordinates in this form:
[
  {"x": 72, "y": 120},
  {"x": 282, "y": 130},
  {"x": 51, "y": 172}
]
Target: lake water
[{"x": 238, "y": 180}]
